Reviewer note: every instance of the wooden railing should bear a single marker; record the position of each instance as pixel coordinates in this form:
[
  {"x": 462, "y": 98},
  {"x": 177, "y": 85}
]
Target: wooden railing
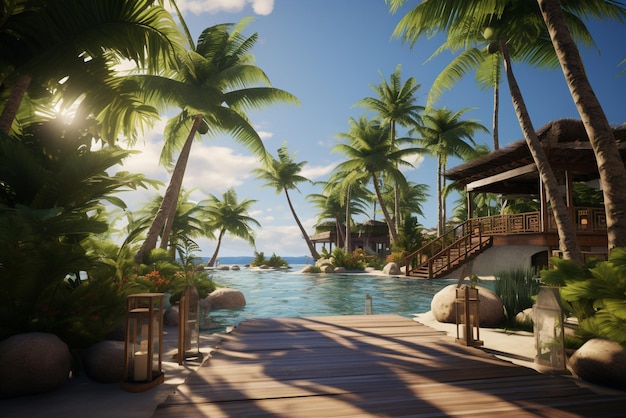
[
  {"x": 470, "y": 237},
  {"x": 448, "y": 250}
]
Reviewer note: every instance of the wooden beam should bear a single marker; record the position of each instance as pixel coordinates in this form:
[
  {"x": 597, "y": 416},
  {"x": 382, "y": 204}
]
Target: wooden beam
[{"x": 530, "y": 168}]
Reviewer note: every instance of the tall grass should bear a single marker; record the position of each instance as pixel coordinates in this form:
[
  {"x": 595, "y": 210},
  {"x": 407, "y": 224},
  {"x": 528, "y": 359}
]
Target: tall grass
[{"x": 517, "y": 288}]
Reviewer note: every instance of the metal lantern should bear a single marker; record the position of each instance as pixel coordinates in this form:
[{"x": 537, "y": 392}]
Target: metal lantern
[
  {"x": 467, "y": 316},
  {"x": 548, "y": 330},
  {"x": 368, "y": 305},
  {"x": 144, "y": 342},
  {"x": 189, "y": 325}
]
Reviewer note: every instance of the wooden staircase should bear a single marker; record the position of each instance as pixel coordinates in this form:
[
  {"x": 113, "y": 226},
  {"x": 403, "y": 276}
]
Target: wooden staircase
[{"x": 449, "y": 251}]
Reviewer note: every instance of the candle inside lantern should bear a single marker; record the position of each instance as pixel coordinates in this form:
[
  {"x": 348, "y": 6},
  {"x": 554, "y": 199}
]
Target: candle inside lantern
[{"x": 140, "y": 372}]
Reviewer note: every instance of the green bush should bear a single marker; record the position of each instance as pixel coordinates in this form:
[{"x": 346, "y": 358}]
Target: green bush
[
  {"x": 517, "y": 288},
  {"x": 595, "y": 293},
  {"x": 350, "y": 261},
  {"x": 274, "y": 261}
]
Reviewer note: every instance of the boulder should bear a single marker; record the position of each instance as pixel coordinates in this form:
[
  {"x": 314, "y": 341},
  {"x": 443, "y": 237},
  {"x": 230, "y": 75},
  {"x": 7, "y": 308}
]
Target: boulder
[
  {"x": 600, "y": 361},
  {"x": 226, "y": 298},
  {"x": 391, "y": 269},
  {"x": 33, "y": 362},
  {"x": 339, "y": 270},
  {"x": 307, "y": 269},
  {"x": 222, "y": 267},
  {"x": 327, "y": 268},
  {"x": 171, "y": 316},
  {"x": 490, "y": 308},
  {"x": 235, "y": 267},
  {"x": 525, "y": 317},
  {"x": 104, "y": 361}
]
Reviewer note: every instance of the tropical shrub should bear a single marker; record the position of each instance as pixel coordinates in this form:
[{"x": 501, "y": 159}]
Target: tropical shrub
[
  {"x": 595, "y": 294},
  {"x": 52, "y": 189},
  {"x": 517, "y": 288},
  {"x": 350, "y": 261},
  {"x": 274, "y": 261}
]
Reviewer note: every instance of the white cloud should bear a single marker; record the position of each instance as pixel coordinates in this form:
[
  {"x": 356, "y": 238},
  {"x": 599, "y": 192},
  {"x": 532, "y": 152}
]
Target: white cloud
[
  {"x": 265, "y": 135},
  {"x": 198, "y": 7},
  {"x": 312, "y": 172}
]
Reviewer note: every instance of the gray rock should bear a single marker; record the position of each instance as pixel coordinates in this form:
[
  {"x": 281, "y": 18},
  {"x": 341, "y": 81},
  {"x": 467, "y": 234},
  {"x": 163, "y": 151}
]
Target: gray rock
[
  {"x": 33, "y": 363},
  {"x": 226, "y": 298},
  {"x": 525, "y": 317},
  {"x": 104, "y": 361},
  {"x": 171, "y": 316},
  {"x": 600, "y": 361},
  {"x": 490, "y": 305},
  {"x": 327, "y": 268},
  {"x": 339, "y": 270},
  {"x": 391, "y": 269},
  {"x": 235, "y": 267}
]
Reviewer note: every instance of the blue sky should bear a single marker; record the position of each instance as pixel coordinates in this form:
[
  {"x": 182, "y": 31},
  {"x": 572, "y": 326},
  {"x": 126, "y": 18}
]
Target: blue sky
[{"x": 327, "y": 53}]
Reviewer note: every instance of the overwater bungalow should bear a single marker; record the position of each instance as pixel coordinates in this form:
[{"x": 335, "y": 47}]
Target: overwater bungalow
[
  {"x": 372, "y": 236},
  {"x": 496, "y": 243}
]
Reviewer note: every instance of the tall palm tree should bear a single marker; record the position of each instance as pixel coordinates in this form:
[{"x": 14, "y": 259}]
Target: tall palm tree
[
  {"x": 216, "y": 84},
  {"x": 370, "y": 150},
  {"x": 68, "y": 48},
  {"x": 610, "y": 164},
  {"x": 344, "y": 196},
  {"x": 395, "y": 104},
  {"x": 189, "y": 222},
  {"x": 283, "y": 174},
  {"x": 510, "y": 26},
  {"x": 229, "y": 215},
  {"x": 445, "y": 134}
]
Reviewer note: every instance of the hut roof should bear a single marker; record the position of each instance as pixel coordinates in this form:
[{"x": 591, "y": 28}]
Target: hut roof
[{"x": 512, "y": 170}]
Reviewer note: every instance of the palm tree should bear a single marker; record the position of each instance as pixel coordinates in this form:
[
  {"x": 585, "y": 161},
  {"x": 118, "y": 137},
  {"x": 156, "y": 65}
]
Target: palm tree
[
  {"x": 283, "y": 174},
  {"x": 510, "y": 26},
  {"x": 370, "y": 151},
  {"x": 395, "y": 105},
  {"x": 68, "y": 48},
  {"x": 610, "y": 164},
  {"x": 444, "y": 134},
  {"x": 342, "y": 198},
  {"x": 228, "y": 215},
  {"x": 216, "y": 84},
  {"x": 189, "y": 222}
]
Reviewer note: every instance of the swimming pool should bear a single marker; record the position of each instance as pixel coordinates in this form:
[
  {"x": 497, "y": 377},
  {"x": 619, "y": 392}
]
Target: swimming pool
[{"x": 287, "y": 293}]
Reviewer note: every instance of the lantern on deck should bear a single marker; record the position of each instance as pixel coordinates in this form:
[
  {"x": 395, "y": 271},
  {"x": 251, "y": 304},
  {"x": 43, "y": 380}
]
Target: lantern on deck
[
  {"x": 144, "y": 342},
  {"x": 368, "y": 305},
  {"x": 548, "y": 330},
  {"x": 467, "y": 316},
  {"x": 189, "y": 326}
]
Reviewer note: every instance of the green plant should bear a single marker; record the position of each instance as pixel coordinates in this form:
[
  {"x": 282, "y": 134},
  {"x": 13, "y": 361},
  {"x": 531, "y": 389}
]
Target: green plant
[
  {"x": 517, "y": 288},
  {"x": 350, "y": 261},
  {"x": 274, "y": 261},
  {"x": 595, "y": 293}
]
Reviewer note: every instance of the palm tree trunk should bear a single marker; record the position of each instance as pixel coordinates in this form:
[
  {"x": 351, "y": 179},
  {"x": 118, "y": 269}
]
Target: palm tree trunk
[
  {"x": 440, "y": 227},
  {"x": 567, "y": 237},
  {"x": 601, "y": 137},
  {"x": 309, "y": 244},
  {"x": 347, "y": 242},
  {"x": 496, "y": 117},
  {"x": 392, "y": 230},
  {"x": 13, "y": 103},
  {"x": 396, "y": 189},
  {"x": 167, "y": 210},
  {"x": 211, "y": 262}
]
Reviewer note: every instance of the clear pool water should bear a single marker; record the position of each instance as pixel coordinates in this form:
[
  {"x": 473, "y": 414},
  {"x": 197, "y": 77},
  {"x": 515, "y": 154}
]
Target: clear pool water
[{"x": 287, "y": 293}]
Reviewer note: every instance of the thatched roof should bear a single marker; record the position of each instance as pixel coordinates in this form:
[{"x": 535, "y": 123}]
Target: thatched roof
[{"x": 511, "y": 169}]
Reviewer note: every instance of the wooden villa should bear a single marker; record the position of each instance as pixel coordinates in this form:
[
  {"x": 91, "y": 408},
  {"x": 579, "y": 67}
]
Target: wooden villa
[
  {"x": 521, "y": 240},
  {"x": 372, "y": 236}
]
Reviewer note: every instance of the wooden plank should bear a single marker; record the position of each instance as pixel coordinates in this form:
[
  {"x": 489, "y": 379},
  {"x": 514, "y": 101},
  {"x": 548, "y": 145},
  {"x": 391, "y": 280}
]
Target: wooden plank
[{"x": 383, "y": 365}]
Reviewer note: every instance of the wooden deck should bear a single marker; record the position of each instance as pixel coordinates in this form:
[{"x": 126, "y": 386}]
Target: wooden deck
[{"x": 377, "y": 365}]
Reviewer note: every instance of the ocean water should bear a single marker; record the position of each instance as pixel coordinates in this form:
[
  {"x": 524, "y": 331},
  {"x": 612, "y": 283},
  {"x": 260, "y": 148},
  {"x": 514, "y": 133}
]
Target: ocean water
[{"x": 288, "y": 293}]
